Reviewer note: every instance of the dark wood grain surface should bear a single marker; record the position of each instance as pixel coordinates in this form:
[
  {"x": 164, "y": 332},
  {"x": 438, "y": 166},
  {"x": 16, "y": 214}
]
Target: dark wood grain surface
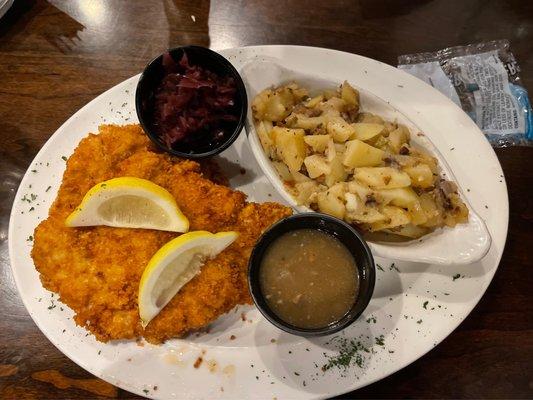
[{"x": 57, "y": 55}]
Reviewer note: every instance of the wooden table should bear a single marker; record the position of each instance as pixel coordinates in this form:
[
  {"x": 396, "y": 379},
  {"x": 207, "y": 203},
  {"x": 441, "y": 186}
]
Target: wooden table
[{"x": 55, "y": 56}]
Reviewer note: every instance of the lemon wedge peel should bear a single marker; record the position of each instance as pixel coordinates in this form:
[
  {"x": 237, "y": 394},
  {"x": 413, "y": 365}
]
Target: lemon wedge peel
[
  {"x": 137, "y": 187},
  {"x": 187, "y": 246}
]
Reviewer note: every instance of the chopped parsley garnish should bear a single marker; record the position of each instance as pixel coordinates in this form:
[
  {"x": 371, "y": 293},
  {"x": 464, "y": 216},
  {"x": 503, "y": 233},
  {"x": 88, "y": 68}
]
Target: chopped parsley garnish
[
  {"x": 371, "y": 319},
  {"x": 419, "y": 321},
  {"x": 456, "y": 276},
  {"x": 48, "y": 188},
  {"x": 379, "y": 267},
  {"x": 394, "y": 267},
  {"x": 349, "y": 354},
  {"x": 64, "y": 158},
  {"x": 425, "y": 305},
  {"x": 29, "y": 239},
  {"x": 380, "y": 340}
]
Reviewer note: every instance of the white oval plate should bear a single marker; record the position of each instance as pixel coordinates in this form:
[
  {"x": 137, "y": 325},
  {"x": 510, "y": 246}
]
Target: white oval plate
[
  {"x": 415, "y": 306},
  {"x": 470, "y": 241}
]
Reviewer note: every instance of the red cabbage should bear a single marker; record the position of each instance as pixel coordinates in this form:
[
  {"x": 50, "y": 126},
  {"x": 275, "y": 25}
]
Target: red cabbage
[{"x": 192, "y": 102}]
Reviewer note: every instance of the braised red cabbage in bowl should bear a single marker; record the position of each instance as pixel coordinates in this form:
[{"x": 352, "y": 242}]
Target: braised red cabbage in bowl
[{"x": 191, "y": 102}]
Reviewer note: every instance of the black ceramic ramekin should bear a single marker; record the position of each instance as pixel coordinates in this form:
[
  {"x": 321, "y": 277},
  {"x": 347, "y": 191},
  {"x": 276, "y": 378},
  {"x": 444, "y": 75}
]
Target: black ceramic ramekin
[
  {"x": 152, "y": 77},
  {"x": 347, "y": 235}
]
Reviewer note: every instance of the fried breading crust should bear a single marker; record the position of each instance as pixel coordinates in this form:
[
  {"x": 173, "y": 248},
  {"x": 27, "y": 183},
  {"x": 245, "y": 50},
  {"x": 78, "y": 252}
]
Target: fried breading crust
[{"x": 96, "y": 270}]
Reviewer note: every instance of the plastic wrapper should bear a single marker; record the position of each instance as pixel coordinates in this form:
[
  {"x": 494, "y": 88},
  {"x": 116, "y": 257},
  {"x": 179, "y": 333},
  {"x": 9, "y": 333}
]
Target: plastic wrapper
[{"x": 483, "y": 79}]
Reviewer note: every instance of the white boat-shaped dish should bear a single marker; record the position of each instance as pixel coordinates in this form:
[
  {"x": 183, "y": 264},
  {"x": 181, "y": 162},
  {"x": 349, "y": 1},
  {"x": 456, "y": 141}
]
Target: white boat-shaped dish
[{"x": 463, "y": 244}]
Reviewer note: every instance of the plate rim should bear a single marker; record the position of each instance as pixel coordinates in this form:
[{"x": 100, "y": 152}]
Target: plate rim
[{"x": 345, "y": 389}]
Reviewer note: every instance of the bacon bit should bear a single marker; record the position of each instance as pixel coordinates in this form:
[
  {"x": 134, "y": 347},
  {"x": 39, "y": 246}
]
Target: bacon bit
[
  {"x": 289, "y": 184},
  {"x": 243, "y": 317},
  {"x": 272, "y": 340},
  {"x": 404, "y": 150},
  {"x": 192, "y": 103},
  {"x": 232, "y": 337},
  {"x": 370, "y": 199},
  {"x": 198, "y": 362}
]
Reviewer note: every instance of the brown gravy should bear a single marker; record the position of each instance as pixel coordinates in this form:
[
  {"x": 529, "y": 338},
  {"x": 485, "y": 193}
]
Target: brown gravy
[{"x": 309, "y": 278}]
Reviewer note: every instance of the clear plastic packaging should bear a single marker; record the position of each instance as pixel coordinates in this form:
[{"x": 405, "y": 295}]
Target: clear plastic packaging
[{"x": 483, "y": 80}]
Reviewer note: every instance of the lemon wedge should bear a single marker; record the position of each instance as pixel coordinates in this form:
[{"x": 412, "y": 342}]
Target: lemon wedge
[
  {"x": 129, "y": 203},
  {"x": 175, "y": 264}
]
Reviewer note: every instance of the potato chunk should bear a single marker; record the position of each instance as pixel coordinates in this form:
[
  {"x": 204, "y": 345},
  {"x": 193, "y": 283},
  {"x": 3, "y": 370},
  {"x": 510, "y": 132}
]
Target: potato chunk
[
  {"x": 305, "y": 122},
  {"x": 405, "y": 198},
  {"x": 316, "y": 166},
  {"x": 337, "y": 173},
  {"x": 402, "y": 197},
  {"x": 370, "y": 118},
  {"x": 360, "y": 154},
  {"x": 283, "y": 171},
  {"x": 304, "y": 191},
  {"x": 382, "y": 177},
  {"x": 398, "y": 137},
  {"x": 290, "y": 145},
  {"x": 366, "y": 131},
  {"x": 360, "y": 189},
  {"x": 431, "y": 210},
  {"x": 340, "y": 130},
  {"x": 275, "y": 105},
  {"x": 317, "y": 142},
  {"x": 335, "y": 103},
  {"x": 396, "y": 216},
  {"x": 350, "y": 95},
  {"x": 264, "y": 128},
  {"x": 311, "y": 103},
  {"x": 331, "y": 203},
  {"x": 331, "y": 150},
  {"x": 421, "y": 175},
  {"x": 368, "y": 215}
]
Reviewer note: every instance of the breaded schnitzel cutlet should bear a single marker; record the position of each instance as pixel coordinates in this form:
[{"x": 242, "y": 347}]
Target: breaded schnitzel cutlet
[{"x": 96, "y": 270}]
